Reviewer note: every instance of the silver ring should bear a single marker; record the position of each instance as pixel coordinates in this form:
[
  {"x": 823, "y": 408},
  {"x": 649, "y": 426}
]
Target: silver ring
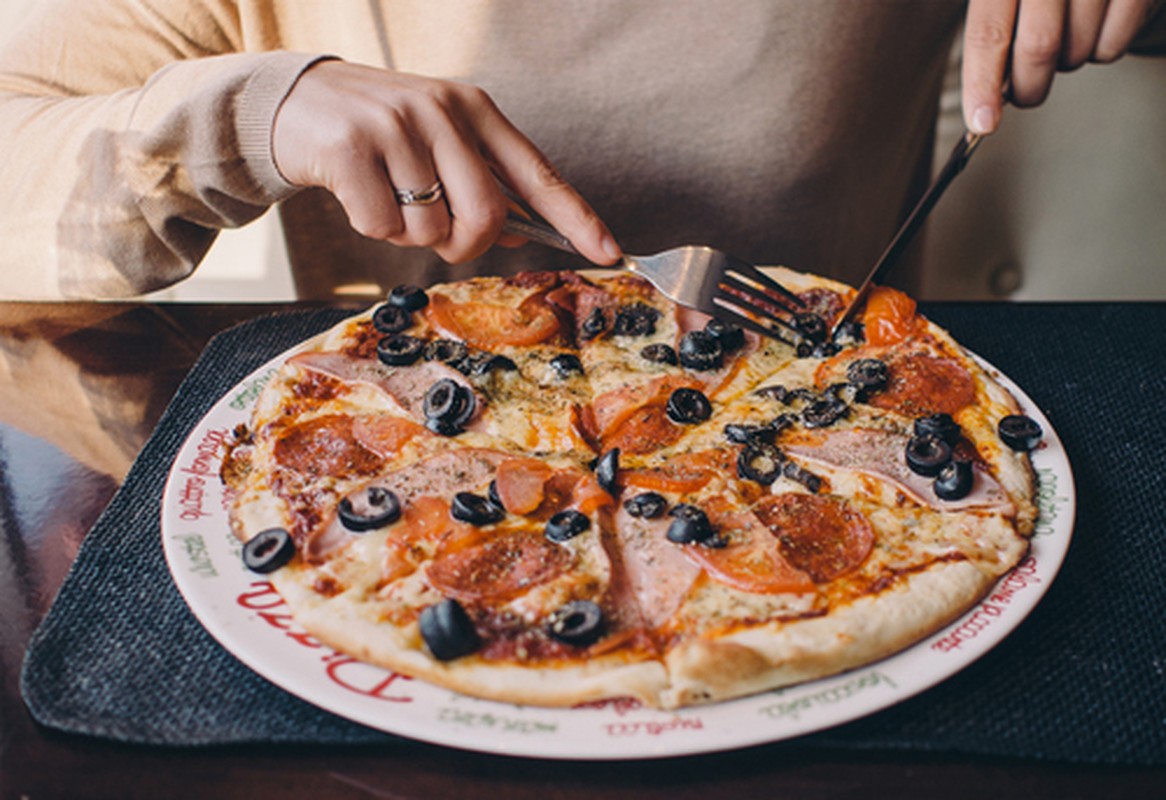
[{"x": 420, "y": 197}]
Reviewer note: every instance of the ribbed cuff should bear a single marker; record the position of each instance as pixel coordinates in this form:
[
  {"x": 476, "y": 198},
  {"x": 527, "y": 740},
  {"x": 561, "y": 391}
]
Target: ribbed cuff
[{"x": 258, "y": 103}]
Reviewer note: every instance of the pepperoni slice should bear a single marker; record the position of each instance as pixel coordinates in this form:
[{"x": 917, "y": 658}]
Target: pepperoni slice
[
  {"x": 826, "y": 303},
  {"x": 821, "y": 536},
  {"x": 385, "y": 435},
  {"x": 325, "y": 445},
  {"x": 921, "y": 384},
  {"x": 503, "y": 566},
  {"x": 647, "y": 429},
  {"x": 486, "y": 325},
  {"x": 521, "y": 483},
  {"x": 889, "y": 317},
  {"x": 751, "y": 560}
]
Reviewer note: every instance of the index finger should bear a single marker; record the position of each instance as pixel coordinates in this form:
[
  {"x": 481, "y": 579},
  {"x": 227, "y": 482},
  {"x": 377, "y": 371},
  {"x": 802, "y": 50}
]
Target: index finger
[
  {"x": 525, "y": 169},
  {"x": 988, "y": 31}
]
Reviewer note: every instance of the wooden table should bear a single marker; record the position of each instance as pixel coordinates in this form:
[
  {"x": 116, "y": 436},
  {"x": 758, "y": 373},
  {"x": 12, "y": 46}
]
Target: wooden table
[{"x": 81, "y": 388}]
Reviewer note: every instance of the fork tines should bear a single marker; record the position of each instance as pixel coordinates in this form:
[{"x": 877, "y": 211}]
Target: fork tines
[{"x": 757, "y": 302}]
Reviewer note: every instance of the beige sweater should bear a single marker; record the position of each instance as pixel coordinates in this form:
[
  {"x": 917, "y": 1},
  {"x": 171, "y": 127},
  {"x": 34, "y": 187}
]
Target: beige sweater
[{"x": 785, "y": 131}]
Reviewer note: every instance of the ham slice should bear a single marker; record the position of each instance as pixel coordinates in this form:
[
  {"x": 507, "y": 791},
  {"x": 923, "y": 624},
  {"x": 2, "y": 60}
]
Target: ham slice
[
  {"x": 441, "y": 475},
  {"x": 879, "y": 454},
  {"x": 405, "y": 386},
  {"x": 657, "y": 573}
]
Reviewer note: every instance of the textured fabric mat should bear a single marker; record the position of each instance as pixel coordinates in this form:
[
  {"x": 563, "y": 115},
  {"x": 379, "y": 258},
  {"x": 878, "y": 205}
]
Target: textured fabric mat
[{"x": 1082, "y": 679}]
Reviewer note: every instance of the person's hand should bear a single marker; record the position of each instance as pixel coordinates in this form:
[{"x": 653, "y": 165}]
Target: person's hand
[
  {"x": 364, "y": 134},
  {"x": 1021, "y": 44}
]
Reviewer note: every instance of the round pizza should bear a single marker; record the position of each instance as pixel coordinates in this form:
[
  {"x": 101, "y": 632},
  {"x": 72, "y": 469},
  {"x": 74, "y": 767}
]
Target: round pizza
[{"x": 557, "y": 488}]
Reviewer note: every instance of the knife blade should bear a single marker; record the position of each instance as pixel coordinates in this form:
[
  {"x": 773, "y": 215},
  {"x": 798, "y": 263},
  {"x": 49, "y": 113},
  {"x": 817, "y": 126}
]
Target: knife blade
[{"x": 955, "y": 164}]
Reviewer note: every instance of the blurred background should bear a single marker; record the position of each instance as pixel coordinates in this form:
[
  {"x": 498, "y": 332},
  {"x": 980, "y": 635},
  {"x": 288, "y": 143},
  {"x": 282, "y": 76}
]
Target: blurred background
[{"x": 1066, "y": 202}]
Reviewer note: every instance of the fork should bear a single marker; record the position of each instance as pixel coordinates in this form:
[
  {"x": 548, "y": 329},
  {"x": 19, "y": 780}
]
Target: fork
[{"x": 699, "y": 277}]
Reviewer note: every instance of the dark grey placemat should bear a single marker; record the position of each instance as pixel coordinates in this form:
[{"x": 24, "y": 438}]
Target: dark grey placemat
[{"x": 1083, "y": 679}]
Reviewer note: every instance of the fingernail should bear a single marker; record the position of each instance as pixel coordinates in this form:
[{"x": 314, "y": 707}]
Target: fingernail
[
  {"x": 611, "y": 249},
  {"x": 984, "y": 120}
]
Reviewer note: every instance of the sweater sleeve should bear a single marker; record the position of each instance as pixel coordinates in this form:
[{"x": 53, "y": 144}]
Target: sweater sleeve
[{"x": 132, "y": 132}]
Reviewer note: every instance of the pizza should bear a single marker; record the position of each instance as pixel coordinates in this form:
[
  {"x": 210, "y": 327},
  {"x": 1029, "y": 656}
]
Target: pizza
[{"x": 558, "y": 488}]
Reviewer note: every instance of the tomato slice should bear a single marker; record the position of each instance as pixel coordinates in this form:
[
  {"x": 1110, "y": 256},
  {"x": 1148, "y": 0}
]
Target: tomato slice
[
  {"x": 486, "y": 325},
  {"x": 521, "y": 484},
  {"x": 423, "y": 518},
  {"x": 889, "y": 316},
  {"x": 685, "y": 473},
  {"x": 634, "y": 418},
  {"x": 751, "y": 560},
  {"x": 587, "y": 495},
  {"x": 385, "y": 435}
]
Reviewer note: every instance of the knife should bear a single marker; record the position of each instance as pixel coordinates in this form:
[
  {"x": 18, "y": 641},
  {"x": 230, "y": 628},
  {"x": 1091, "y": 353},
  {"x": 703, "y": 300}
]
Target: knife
[{"x": 955, "y": 164}]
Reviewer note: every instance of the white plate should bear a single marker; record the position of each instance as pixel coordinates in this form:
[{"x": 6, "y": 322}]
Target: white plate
[{"x": 249, "y": 618}]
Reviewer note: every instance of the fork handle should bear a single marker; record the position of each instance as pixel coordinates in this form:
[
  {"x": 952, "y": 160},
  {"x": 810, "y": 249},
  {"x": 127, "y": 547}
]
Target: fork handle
[{"x": 538, "y": 232}]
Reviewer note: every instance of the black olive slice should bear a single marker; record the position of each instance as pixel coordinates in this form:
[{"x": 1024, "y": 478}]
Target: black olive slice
[
  {"x": 389, "y": 318},
  {"x": 448, "y": 405},
  {"x": 638, "y": 319},
  {"x": 659, "y": 353},
  {"x": 848, "y": 393},
  {"x": 869, "y": 373},
  {"x": 445, "y": 350},
  {"x": 484, "y": 363},
  {"x": 760, "y": 462},
  {"x": 447, "y": 630},
  {"x": 689, "y": 524},
  {"x": 701, "y": 351},
  {"x": 370, "y": 508},
  {"x": 941, "y": 426},
  {"x": 1019, "y": 432},
  {"x": 408, "y": 297},
  {"x": 606, "y": 469},
  {"x": 442, "y": 399},
  {"x": 824, "y": 413},
  {"x": 776, "y": 392},
  {"x": 567, "y": 364},
  {"x": 566, "y": 525},
  {"x": 954, "y": 481},
  {"x": 493, "y": 496},
  {"x": 749, "y": 434},
  {"x": 781, "y": 422},
  {"x": 648, "y": 505},
  {"x": 268, "y": 550},
  {"x": 811, "y": 326},
  {"x": 688, "y": 406},
  {"x": 475, "y": 509},
  {"x": 816, "y": 349},
  {"x": 796, "y": 473},
  {"x": 594, "y": 324},
  {"x": 927, "y": 455},
  {"x": 731, "y": 337},
  {"x": 399, "y": 349},
  {"x": 579, "y": 622}
]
